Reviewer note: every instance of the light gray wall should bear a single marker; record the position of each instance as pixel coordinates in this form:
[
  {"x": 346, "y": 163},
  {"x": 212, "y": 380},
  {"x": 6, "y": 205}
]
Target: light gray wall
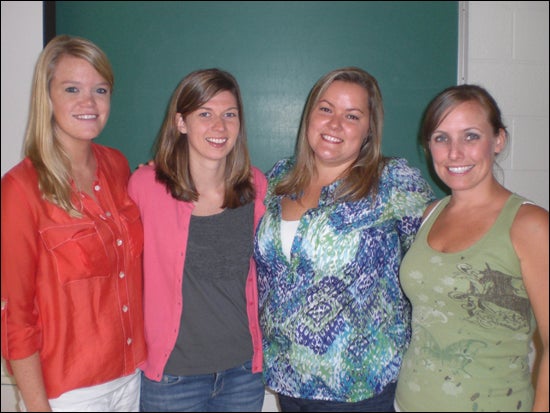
[{"x": 21, "y": 45}]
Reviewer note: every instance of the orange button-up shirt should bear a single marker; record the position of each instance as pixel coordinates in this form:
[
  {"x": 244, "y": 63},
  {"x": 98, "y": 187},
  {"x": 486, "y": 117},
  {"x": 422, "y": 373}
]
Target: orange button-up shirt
[{"x": 72, "y": 287}]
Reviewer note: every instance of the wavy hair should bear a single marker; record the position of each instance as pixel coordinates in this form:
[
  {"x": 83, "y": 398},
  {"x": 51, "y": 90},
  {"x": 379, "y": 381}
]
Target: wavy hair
[
  {"x": 362, "y": 177},
  {"x": 171, "y": 150},
  {"x": 41, "y": 146}
]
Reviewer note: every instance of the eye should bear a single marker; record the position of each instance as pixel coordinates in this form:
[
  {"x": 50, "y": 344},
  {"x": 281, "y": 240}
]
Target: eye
[
  {"x": 71, "y": 89},
  {"x": 353, "y": 117},
  {"x": 204, "y": 114},
  {"x": 102, "y": 91},
  {"x": 324, "y": 109},
  {"x": 231, "y": 115},
  {"x": 439, "y": 138},
  {"x": 472, "y": 136}
]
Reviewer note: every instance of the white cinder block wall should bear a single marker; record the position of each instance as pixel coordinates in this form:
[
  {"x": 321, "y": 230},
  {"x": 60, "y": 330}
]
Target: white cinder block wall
[{"x": 506, "y": 51}]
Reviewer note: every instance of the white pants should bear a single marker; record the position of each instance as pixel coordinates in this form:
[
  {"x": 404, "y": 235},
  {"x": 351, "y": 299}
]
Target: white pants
[{"x": 120, "y": 395}]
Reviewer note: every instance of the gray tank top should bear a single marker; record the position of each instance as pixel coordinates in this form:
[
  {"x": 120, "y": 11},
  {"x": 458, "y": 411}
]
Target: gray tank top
[{"x": 214, "y": 334}]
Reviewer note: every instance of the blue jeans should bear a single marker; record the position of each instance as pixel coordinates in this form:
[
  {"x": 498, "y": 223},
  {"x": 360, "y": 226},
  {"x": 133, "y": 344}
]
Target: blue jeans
[
  {"x": 382, "y": 402},
  {"x": 232, "y": 390}
]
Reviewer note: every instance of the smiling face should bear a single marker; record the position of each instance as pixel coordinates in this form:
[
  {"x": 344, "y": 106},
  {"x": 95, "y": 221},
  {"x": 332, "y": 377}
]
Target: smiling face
[
  {"x": 81, "y": 100},
  {"x": 339, "y": 124},
  {"x": 213, "y": 128},
  {"x": 463, "y": 147}
]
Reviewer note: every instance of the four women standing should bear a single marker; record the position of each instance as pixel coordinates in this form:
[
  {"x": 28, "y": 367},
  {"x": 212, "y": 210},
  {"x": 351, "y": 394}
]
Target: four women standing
[{"x": 340, "y": 216}]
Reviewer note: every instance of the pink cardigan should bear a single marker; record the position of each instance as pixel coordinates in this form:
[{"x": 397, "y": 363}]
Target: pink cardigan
[{"x": 166, "y": 227}]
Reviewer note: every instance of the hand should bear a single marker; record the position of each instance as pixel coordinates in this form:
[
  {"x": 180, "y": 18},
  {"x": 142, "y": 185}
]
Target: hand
[{"x": 150, "y": 163}]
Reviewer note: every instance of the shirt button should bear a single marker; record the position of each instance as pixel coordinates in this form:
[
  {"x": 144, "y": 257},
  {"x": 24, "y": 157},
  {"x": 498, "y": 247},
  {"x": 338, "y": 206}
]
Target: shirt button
[
  {"x": 125, "y": 308},
  {"x": 119, "y": 242},
  {"x": 121, "y": 274},
  {"x": 129, "y": 341},
  {"x": 108, "y": 214},
  {"x": 97, "y": 188}
]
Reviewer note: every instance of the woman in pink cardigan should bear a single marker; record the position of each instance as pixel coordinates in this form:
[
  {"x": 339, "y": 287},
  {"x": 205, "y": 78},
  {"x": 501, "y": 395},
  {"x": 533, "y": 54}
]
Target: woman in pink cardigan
[{"x": 200, "y": 204}]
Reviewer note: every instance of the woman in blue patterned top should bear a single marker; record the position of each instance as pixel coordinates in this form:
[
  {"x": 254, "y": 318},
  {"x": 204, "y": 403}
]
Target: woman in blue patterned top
[{"x": 339, "y": 218}]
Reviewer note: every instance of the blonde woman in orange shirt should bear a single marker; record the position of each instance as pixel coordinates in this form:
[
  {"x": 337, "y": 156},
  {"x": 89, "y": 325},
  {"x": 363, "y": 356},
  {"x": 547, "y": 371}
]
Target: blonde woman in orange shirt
[{"x": 72, "y": 317}]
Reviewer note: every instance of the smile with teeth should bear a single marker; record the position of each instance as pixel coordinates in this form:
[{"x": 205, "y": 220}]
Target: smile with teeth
[
  {"x": 217, "y": 141},
  {"x": 86, "y": 117},
  {"x": 459, "y": 169},
  {"x": 332, "y": 139}
]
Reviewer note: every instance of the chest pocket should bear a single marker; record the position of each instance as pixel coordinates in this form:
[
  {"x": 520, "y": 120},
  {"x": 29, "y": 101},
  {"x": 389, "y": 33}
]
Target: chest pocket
[
  {"x": 134, "y": 227},
  {"x": 78, "y": 252}
]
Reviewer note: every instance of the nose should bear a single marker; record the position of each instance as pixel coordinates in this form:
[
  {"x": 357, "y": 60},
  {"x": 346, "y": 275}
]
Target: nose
[
  {"x": 455, "y": 150},
  {"x": 335, "y": 123},
  {"x": 88, "y": 98},
  {"x": 218, "y": 123}
]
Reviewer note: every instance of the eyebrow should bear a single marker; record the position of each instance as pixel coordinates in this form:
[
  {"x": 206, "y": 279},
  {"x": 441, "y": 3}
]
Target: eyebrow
[
  {"x": 468, "y": 129},
  {"x": 76, "y": 82},
  {"x": 225, "y": 110},
  {"x": 347, "y": 110}
]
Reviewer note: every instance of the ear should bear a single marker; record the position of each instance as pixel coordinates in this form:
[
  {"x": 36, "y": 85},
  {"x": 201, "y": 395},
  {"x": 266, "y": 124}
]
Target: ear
[
  {"x": 500, "y": 142},
  {"x": 180, "y": 123}
]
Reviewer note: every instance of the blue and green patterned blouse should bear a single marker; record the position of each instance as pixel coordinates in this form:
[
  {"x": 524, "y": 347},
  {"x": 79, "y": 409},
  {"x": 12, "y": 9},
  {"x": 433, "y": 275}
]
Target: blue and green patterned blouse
[{"x": 335, "y": 322}]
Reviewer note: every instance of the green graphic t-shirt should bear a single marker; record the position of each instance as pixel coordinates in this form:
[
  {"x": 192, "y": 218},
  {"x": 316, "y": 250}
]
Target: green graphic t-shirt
[{"x": 472, "y": 324}]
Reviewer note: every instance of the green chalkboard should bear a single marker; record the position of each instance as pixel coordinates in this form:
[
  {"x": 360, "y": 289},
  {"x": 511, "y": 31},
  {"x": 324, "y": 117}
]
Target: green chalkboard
[{"x": 276, "y": 50}]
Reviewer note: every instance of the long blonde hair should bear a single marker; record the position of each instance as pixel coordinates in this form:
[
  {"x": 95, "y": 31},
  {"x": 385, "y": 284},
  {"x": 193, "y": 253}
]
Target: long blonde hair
[
  {"x": 172, "y": 146},
  {"x": 41, "y": 145},
  {"x": 361, "y": 179}
]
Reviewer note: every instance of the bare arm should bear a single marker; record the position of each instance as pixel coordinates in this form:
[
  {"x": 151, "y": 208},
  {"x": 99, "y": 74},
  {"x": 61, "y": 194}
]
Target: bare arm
[
  {"x": 530, "y": 238},
  {"x": 28, "y": 376}
]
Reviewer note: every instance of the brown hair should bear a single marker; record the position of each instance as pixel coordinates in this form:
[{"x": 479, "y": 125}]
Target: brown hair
[
  {"x": 451, "y": 97},
  {"x": 172, "y": 147}
]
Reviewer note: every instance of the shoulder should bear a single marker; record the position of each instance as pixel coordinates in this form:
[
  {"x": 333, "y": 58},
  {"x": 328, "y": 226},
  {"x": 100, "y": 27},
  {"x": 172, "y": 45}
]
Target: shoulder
[
  {"x": 258, "y": 176},
  {"x": 19, "y": 190},
  {"x": 529, "y": 232},
  {"x": 111, "y": 157},
  {"x": 397, "y": 167},
  {"x": 280, "y": 168},
  {"x": 399, "y": 173},
  {"x": 23, "y": 168},
  {"x": 259, "y": 180},
  {"x": 143, "y": 186},
  {"x": 107, "y": 151},
  {"x": 143, "y": 175},
  {"x": 21, "y": 174},
  {"x": 431, "y": 207},
  {"x": 143, "y": 172},
  {"x": 530, "y": 220}
]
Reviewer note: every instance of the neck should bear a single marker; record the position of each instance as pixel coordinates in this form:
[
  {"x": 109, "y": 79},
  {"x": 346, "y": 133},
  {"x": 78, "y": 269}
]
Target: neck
[
  {"x": 482, "y": 195},
  {"x": 208, "y": 176}
]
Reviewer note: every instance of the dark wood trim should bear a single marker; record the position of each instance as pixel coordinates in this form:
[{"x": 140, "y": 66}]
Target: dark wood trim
[{"x": 48, "y": 16}]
